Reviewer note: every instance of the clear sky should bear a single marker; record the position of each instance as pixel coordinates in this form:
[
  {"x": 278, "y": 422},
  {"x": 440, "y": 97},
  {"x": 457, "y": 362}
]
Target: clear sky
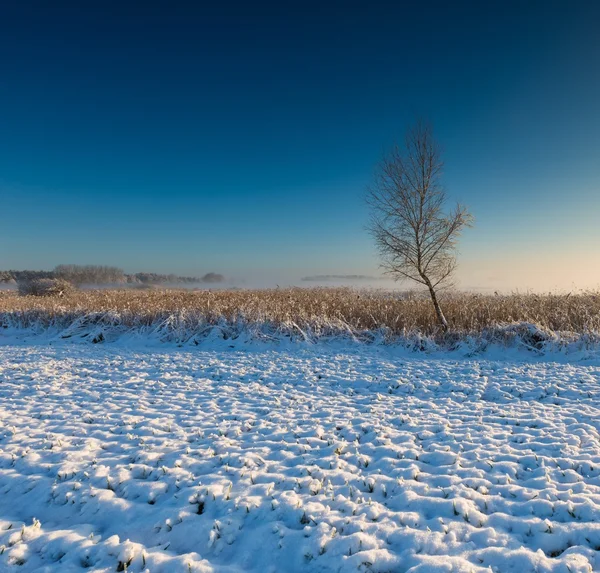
[{"x": 238, "y": 138}]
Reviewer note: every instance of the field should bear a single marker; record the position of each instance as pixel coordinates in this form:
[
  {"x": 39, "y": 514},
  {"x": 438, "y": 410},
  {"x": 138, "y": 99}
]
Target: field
[
  {"x": 300, "y": 459},
  {"x": 307, "y": 314},
  {"x": 294, "y": 430}
]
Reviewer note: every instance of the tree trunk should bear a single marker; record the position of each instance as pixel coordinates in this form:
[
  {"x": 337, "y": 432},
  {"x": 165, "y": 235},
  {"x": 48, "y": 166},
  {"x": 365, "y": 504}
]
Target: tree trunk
[{"x": 436, "y": 305}]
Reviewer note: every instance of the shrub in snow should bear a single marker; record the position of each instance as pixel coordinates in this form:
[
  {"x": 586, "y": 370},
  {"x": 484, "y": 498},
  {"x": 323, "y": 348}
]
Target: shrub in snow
[
  {"x": 531, "y": 335},
  {"x": 45, "y": 287}
]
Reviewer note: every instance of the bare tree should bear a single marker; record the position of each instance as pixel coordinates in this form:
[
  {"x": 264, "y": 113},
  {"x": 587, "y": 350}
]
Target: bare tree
[{"x": 415, "y": 236}]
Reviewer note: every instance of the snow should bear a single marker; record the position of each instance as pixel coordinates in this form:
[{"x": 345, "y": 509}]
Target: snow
[{"x": 297, "y": 458}]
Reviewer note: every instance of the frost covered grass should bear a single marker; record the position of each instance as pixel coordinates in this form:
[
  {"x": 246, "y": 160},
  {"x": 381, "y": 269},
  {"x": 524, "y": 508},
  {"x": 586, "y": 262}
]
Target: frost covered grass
[
  {"x": 367, "y": 458},
  {"x": 311, "y": 314}
]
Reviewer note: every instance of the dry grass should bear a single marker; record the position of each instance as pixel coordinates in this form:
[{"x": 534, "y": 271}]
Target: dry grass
[{"x": 316, "y": 310}]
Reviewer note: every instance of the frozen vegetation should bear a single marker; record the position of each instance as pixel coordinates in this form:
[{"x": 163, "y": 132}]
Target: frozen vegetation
[
  {"x": 542, "y": 322},
  {"x": 296, "y": 457}
]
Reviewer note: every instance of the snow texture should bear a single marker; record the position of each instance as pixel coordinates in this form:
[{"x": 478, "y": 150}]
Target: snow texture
[{"x": 296, "y": 459}]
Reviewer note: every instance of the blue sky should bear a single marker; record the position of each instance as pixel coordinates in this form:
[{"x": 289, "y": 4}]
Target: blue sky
[{"x": 238, "y": 137}]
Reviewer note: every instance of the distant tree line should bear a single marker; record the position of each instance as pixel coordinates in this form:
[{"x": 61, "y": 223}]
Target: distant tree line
[
  {"x": 90, "y": 274},
  {"x": 20, "y": 276},
  {"x": 104, "y": 275}
]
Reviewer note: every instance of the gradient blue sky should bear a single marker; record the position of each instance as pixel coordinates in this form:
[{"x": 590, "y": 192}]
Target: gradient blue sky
[{"x": 238, "y": 138}]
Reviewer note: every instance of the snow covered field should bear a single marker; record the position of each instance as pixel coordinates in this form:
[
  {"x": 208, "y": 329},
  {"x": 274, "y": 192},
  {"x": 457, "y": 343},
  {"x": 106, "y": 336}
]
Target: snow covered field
[{"x": 296, "y": 459}]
